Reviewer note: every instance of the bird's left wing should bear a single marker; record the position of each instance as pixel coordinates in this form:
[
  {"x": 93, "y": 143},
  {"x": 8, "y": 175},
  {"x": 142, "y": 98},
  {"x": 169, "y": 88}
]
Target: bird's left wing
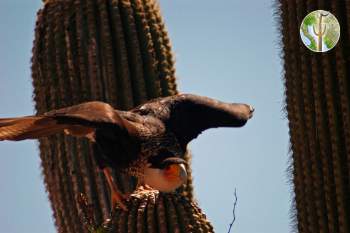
[{"x": 78, "y": 120}]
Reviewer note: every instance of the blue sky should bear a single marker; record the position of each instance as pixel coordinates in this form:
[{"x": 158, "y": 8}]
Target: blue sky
[{"x": 224, "y": 49}]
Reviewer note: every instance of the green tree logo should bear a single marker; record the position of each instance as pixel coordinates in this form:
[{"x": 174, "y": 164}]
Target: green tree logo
[{"x": 320, "y": 31}]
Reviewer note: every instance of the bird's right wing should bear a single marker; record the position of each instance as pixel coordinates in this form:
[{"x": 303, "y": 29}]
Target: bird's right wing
[
  {"x": 78, "y": 120},
  {"x": 188, "y": 115}
]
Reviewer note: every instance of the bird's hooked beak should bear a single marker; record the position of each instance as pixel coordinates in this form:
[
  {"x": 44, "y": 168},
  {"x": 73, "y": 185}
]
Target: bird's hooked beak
[{"x": 175, "y": 172}]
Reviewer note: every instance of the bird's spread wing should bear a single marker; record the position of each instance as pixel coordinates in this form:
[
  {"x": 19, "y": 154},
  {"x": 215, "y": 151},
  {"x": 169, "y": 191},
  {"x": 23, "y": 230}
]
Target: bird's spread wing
[
  {"x": 188, "y": 115},
  {"x": 28, "y": 128},
  {"x": 192, "y": 114},
  {"x": 78, "y": 120}
]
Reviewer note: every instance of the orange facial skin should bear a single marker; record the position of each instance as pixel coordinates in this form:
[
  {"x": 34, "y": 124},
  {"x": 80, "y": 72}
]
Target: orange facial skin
[{"x": 172, "y": 172}]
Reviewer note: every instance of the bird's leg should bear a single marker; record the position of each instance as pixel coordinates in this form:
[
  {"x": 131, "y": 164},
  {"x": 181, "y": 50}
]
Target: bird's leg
[{"x": 116, "y": 196}]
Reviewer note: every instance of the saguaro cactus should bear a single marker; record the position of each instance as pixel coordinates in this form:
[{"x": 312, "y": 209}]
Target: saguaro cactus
[
  {"x": 318, "y": 107},
  {"x": 118, "y": 52},
  {"x": 320, "y": 32}
]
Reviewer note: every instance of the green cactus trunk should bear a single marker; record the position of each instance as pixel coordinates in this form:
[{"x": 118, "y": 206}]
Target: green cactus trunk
[
  {"x": 318, "y": 106},
  {"x": 113, "y": 51}
]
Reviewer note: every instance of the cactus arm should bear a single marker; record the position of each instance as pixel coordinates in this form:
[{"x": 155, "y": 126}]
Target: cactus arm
[
  {"x": 314, "y": 30},
  {"x": 324, "y": 29}
]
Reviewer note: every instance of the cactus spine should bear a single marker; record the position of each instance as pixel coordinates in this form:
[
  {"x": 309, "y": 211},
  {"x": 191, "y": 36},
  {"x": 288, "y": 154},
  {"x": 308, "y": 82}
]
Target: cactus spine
[
  {"x": 117, "y": 52},
  {"x": 318, "y": 108}
]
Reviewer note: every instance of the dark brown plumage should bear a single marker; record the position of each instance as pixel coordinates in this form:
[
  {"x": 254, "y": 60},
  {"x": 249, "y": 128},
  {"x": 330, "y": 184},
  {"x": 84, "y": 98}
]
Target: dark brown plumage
[
  {"x": 147, "y": 142},
  {"x": 123, "y": 136}
]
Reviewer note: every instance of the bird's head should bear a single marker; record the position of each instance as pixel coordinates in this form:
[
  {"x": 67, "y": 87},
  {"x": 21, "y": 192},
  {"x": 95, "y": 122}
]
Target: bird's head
[{"x": 165, "y": 173}]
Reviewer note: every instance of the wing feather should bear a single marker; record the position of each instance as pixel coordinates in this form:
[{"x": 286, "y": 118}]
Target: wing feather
[
  {"x": 30, "y": 127},
  {"x": 78, "y": 120},
  {"x": 188, "y": 115}
]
